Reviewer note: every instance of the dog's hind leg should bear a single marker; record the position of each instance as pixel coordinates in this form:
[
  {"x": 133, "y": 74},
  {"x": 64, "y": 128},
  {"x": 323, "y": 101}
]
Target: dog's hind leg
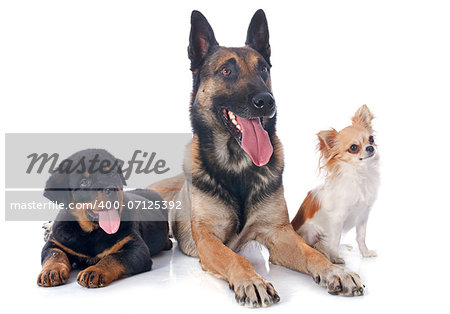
[
  {"x": 310, "y": 232},
  {"x": 322, "y": 248},
  {"x": 329, "y": 244},
  {"x": 315, "y": 238}
]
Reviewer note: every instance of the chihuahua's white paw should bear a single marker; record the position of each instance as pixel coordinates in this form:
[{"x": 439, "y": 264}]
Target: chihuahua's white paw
[
  {"x": 337, "y": 260},
  {"x": 348, "y": 247},
  {"x": 369, "y": 253}
]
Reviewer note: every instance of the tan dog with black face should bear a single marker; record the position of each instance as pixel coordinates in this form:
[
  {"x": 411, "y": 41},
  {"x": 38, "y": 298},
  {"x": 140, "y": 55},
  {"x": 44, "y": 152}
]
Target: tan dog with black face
[
  {"x": 343, "y": 201},
  {"x": 231, "y": 188}
]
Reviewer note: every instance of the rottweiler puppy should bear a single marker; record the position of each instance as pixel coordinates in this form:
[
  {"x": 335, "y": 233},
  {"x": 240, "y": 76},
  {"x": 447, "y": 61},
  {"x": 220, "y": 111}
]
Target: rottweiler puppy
[{"x": 109, "y": 233}]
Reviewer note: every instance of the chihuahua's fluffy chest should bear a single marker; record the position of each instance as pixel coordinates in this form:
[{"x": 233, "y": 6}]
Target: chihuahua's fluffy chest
[{"x": 348, "y": 195}]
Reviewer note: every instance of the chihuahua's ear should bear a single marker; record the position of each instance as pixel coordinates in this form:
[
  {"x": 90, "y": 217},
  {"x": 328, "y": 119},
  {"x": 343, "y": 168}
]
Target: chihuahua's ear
[
  {"x": 201, "y": 40},
  {"x": 258, "y": 35},
  {"x": 327, "y": 139},
  {"x": 363, "y": 117},
  {"x": 57, "y": 188}
]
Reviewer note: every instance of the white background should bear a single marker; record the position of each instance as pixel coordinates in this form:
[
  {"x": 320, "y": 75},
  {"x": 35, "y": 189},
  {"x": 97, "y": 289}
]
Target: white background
[{"x": 92, "y": 66}]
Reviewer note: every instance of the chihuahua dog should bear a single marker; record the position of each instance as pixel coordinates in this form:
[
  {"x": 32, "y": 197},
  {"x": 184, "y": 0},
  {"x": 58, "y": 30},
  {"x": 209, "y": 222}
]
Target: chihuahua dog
[{"x": 343, "y": 201}]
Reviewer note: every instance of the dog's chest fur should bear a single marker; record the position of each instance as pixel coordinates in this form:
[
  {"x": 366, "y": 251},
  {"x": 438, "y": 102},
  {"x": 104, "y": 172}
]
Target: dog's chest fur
[
  {"x": 228, "y": 173},
  {"x": 349, "y": 194}
]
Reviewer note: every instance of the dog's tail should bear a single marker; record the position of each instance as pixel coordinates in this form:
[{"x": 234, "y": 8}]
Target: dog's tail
[{"x": 307, "y": 210}]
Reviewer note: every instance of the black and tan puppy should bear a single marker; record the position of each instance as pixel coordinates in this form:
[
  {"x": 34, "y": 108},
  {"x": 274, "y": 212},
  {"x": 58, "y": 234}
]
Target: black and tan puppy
[{"x": 97, "y": 228}]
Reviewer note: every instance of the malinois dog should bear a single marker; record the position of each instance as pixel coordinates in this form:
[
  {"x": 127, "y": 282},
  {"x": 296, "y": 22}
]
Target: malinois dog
[{"x": 231, "y": 189}]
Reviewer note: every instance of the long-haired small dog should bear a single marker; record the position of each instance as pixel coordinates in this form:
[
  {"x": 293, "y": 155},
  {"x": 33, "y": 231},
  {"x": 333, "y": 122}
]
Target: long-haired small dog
[{"x": 350, "y": 161}]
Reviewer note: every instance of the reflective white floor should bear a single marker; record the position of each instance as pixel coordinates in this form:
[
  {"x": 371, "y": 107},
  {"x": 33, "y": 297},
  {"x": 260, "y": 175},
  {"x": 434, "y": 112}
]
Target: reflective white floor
[{"x": 177, "y": 282}]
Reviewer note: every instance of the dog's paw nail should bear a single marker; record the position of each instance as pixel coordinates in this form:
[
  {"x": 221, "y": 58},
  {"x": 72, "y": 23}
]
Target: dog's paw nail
[
  {"x": 276, "y": 297},
  {"x": 317, "y": 279}
]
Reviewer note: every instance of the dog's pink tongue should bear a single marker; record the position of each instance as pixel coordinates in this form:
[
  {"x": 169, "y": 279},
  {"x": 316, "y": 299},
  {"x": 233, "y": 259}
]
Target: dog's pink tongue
[
  {"x": 255, "y": 141},
  {"x": 109, "y": 220}
]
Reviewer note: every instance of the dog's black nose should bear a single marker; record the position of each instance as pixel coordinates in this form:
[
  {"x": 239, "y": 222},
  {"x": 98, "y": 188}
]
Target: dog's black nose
[
  {"x": 370, "y": 149},
  {"x": 263, "y": 100}
]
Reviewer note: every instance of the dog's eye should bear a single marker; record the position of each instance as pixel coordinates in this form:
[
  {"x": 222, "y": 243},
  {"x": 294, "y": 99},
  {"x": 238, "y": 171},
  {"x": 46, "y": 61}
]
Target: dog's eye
[
  {"x": 84, "y": 183},
  {"x": 354, "y": 149},
  {"x": 264, "y": 69},
  {"x": 225, "y": 71},
  {"x": 371, "y": 140}
]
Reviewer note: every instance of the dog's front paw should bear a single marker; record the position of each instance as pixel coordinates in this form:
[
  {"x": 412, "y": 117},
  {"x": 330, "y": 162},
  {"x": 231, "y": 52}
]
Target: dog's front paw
[
  {"x": 94, "y": 277},
  {"x": 54, "y": 275},
  {"x": 369, "y": 253},
  {"x": 254, "y": 292},
  {"x": 340, "y": 281},
  {"x": 348, "y": 247}
]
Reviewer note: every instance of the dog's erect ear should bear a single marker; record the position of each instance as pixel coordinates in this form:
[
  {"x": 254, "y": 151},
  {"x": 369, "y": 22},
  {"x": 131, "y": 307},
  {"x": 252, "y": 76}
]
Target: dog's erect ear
[
  {"x": 258, "y": 35},
  {"x": 327, "y": 139},
  {"x": 363, "y": 117},
  {"x": 57, "y": 188},
  {"x": 201, "y": 39}
]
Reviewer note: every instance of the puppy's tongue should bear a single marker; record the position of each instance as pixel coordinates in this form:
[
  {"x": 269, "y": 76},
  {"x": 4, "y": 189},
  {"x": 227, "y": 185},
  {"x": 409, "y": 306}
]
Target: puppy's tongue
[
  {"x": 109, "y": 220},
  {"x": 255, "y": 141}
]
